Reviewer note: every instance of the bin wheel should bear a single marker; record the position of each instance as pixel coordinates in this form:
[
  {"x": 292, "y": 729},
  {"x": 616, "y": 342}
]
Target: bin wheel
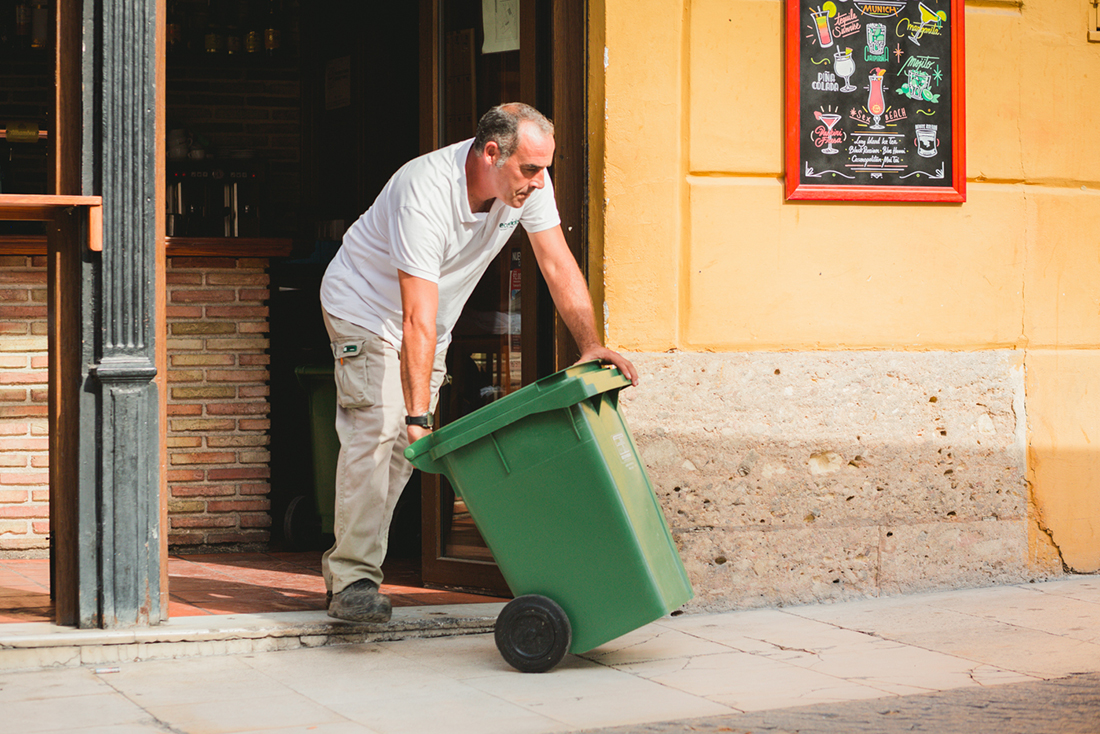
[
  {"x": 301, "y": 526},
  {"x": 533, "y": 633}
]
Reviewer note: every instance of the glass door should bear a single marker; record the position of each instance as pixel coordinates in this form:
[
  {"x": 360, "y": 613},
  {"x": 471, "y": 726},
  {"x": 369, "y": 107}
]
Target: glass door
[{"x": 477, "y": 62}]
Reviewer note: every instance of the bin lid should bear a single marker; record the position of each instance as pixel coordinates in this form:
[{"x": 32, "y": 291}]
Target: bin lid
[
  {"x": 559, "y": 390},
  {"x": 310, "y": 374}
]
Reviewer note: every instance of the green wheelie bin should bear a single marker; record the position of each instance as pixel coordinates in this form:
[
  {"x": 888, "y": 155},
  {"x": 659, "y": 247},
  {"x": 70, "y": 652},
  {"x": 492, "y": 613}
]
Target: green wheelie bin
[
  {"x": 553, "y": 481},
  {"x": 320, "y": 389}
]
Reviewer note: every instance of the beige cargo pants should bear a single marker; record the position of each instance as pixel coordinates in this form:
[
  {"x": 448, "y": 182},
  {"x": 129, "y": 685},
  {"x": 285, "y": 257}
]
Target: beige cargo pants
[{"x": 372, "y": 470}]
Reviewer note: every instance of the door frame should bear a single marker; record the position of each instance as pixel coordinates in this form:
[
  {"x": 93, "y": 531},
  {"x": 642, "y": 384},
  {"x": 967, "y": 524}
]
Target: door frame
[{"x": 556, "y": 83}]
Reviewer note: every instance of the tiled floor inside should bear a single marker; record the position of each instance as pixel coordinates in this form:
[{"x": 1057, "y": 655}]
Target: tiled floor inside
[{"x": 225, "y": 583}]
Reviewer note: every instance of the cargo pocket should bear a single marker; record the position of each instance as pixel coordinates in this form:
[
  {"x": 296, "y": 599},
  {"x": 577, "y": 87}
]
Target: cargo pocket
[{"x": 353, "y": 388}]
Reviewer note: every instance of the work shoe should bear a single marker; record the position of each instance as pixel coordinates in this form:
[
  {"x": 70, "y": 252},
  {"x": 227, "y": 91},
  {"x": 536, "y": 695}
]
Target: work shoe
[{"x": 360, "y": 602}]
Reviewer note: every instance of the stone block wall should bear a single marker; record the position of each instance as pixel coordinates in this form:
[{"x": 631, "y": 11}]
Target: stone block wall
[
  {"x": 794, "y": 478},
  {"x": 24, "y": 437},
  {"x": 218, "y": 403}
]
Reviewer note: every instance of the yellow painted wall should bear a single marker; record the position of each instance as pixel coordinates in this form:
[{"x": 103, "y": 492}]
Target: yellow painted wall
[
  {"x": 701, "y": 253},
  {"x": 1063, "y": 388}
]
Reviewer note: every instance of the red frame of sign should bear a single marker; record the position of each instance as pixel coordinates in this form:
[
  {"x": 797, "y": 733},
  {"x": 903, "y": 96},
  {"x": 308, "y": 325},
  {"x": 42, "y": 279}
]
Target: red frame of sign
[{"x": 798, "y": 191}]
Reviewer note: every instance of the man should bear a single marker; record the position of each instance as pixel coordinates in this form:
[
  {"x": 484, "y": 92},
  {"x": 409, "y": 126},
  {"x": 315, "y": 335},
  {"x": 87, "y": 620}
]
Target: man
[{"x": 392, "y": 295}]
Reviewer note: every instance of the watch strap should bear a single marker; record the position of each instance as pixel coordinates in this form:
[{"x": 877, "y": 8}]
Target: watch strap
[{"x": 424, "y": 421}]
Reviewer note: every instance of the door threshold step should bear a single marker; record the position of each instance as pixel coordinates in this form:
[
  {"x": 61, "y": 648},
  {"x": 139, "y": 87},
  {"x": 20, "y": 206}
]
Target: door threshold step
[{"x": 34, "y": 645}]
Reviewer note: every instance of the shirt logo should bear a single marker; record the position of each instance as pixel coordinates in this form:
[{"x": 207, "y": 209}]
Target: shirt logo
[{"x": 509, "y": 225}]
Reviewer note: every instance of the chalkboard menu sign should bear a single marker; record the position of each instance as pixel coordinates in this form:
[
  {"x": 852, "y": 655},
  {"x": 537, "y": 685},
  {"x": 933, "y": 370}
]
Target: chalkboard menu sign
[{"x": 875, "y": 100}]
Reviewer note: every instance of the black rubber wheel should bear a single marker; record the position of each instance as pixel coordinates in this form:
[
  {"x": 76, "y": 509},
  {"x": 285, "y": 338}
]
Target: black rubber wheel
[
  {"x": 301, "y": 524},
  {"x": 533, "y": 633}
]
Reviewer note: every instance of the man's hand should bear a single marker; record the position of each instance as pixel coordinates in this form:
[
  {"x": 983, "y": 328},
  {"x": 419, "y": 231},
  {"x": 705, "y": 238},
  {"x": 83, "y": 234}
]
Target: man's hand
[
  {"x": 606, "y": 356},
  {"x": 416, "y": 433}
]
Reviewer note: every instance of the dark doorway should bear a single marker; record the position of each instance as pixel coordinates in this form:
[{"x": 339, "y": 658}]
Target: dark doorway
[{"x": 382, "y": 83}]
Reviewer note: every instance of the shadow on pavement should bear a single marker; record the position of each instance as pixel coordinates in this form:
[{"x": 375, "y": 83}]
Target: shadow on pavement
[{"x": 1068, "y": 705}]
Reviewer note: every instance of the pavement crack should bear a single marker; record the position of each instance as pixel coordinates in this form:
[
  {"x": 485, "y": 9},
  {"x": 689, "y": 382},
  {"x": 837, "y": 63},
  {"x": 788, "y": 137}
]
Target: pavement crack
[
  {"x": 784, "y": 648},
  {"x": 161, "y": 725},
  {"x": 164, "y": 726}
]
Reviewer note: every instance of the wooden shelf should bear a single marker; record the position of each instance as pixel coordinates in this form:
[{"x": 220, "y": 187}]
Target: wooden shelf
[
  {"x": 23, "y": 244},
  {"x": 176, "y": 246},
  {"x": 41, "y": 207},
  {"x": 228, "y": 246},
  {"x": 44, "y": 207}
]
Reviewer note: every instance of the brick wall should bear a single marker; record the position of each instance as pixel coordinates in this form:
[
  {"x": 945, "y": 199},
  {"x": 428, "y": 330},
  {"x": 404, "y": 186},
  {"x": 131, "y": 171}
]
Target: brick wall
[
  {"x": 218, "y": 403},
  {"x": 24, "y": 454},
  {"x": 218, "y": 473}
]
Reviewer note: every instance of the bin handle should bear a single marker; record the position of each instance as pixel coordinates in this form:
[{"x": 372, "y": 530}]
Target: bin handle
[
  {"x": 561, "y": 396},
  {"x": 558, "y": 397}
]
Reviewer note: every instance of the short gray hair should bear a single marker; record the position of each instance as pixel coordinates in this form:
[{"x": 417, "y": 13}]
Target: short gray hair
[{"x": 501, "y": 126}]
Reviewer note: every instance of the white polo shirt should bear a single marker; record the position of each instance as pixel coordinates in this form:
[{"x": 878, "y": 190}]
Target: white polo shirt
[{"x": 421, "y": 224}]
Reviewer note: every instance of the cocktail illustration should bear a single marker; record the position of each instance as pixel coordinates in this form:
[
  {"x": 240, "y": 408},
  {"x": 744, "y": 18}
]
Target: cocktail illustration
[
  {"x": 845, "y": 67},
  {"x": 928, "y": 18},
  {"x": 876, "y": 39},
  {"x": 876, "y": 103},
  {"x": 830, "y": 119},
  {"x": 920, "y": 84},
  {"x": 821, "y": 25},
  {"x": 927, "y": 141}
]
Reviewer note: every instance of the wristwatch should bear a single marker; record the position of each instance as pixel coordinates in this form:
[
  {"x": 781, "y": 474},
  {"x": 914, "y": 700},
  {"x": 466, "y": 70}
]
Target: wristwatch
[{"x": 424, "y": 421}]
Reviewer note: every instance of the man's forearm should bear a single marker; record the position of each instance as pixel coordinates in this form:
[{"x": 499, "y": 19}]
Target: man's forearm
[
  {"x": 417, "y": 356},
  {"x": 574, "y": 305},
  {"x": 419, "y": 302},
  {"x": 567, "y": 287},
  {"x": 570, "y": 292}
]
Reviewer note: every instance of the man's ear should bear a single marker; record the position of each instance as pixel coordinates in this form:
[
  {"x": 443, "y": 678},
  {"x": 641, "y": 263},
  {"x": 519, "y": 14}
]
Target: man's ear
[{"x": 492, "y": 150}]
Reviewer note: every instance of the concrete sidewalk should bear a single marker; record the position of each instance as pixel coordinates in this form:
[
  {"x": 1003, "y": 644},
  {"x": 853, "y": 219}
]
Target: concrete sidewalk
[{"x": 919, "y": 653}]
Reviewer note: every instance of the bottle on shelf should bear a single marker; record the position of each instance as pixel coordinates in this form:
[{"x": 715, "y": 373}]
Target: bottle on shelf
[
  {"x": 234, "y": 30},
  {"x": 214, "y": 39},
  {"x": 22, "y": 26},
  {"x": 252, "y": 25},
  {"x": 6, "y": 19},
  {"x": 40, "y": 24},
  {"x": 197, "y": 19},
  {"x": 173, "y": 30},
  {"x": 22, "y": 131},
  {"x": 273, "y": 29}
]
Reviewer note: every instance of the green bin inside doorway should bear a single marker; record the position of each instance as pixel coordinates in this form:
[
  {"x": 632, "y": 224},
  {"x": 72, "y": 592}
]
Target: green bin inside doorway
[
  {"x": 320, "y": 389},
  {"x": 553, "y": 480}
]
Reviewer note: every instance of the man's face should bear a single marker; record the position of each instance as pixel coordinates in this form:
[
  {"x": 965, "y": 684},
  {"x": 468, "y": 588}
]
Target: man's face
[{"x": 525, "y": 170}]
